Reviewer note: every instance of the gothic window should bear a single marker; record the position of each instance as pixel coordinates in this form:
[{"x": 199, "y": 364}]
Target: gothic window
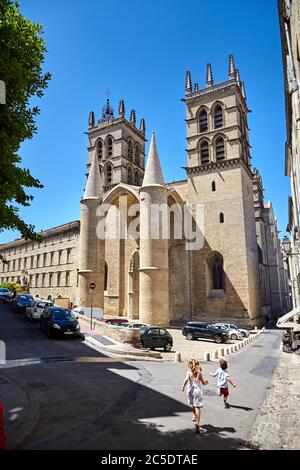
[
  {"x": 221, "y": 216},
  {"x": 137, "y": 155},
  {"x": 105, "y": 275},
  {"x": 218, "y": 117},
  {"x": 129, "y": 176},
  {"x": 217, "y": 273},
  {"x": 203, "y": 121},
  {"x": 137, "y": 178},
  {"x": 109, "y": 147},
  {"x": 204, "y": 153},
  {"x": 220, "y": 149},
  {"x": 108, "y": 174},
  {"x": 213, "y": 186},
  {"x": 99, "y": 150},
  {"x": 130, "y": 150}
]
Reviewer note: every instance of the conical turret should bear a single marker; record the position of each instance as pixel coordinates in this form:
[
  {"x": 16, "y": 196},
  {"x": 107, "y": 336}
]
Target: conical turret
[
  {"x": 122, "y": 108},
  {"x": 91, "y": 119},
  {"x": 209, "y": 75},
  {"x": 231, "y": 67},
  {"x": 132, "y": 117},
  {"x": 93, "y": 185},
  {"x": 143, "y": 125},
  {"x": 153, "y": 173},
  {"x": 188, "y": 82}
]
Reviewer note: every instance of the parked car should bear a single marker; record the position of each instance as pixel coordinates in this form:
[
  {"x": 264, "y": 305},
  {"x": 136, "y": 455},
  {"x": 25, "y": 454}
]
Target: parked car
[
  {"x": 131, "y": 325},
  {"x": 59, "y": 321},
  {"x": 5, "y": 294},
  {"x": 153, "y": 337},
  {"x": 196, "y": 330},
  {"x": 115, "y": 321},
  {"x": 35, "y": 308},
  {"x": 233, "y": 334},
  {"x": 232, "y": 326},
  {"x": 21, "y": 301}
]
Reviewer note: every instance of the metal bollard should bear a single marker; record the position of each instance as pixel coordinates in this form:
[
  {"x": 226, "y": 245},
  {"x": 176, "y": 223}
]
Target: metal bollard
[{"x": 177, "y": 357}]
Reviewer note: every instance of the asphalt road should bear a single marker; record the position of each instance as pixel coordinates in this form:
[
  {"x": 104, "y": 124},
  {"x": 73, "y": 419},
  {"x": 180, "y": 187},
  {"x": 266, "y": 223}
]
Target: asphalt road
[{"x": 86, "y": 400}]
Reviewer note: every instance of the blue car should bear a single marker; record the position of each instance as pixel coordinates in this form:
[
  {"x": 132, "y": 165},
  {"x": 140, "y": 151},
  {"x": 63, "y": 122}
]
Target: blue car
[
  {"x": 59, "y": 321},
  {"x": 22, "y": 301}
]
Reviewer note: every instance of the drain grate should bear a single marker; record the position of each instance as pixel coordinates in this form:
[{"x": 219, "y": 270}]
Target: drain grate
[
  {"x": 104, "y": 341},
  {"x": 37, "y": 385}
]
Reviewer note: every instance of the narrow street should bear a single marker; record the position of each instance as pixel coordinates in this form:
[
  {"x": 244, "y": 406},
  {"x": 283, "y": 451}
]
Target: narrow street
[{"x": 61, "y": 394}]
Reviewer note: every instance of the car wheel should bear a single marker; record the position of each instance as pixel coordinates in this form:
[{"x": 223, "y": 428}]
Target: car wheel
[
  {"x": 234, "y": 337},
  {"x": 189, "y": 336},
  {"x": 243, "y": 334},
  {"x": 168, "y": 347},
  {"x": 217, "y": 339}
]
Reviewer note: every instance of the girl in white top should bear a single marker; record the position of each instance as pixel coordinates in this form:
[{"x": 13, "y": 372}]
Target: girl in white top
[{"x": 193, "y": 380}]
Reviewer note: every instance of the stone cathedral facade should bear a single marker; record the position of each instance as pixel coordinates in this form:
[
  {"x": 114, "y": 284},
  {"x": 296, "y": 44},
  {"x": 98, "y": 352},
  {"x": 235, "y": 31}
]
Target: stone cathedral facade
[{"x": 158, "y": 280}]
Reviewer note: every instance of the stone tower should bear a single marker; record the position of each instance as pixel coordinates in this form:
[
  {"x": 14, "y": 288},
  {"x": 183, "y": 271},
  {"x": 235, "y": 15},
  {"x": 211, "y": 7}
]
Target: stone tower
[
  {"x": 219, "y": 176},
  {"x": 154, "y": 280},
  {"x": 119, "y": 146},
  {"x": 91, "y": 248}
]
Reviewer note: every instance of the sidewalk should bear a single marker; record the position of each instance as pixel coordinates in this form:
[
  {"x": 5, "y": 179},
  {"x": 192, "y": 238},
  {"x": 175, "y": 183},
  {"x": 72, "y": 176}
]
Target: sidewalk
[{"x": 277, "y": 425}]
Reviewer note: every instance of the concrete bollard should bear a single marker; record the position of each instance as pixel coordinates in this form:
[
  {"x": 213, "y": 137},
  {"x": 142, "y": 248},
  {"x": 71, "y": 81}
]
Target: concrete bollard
[
  {"x": 236, "y": 347},
  {"x": 216, "y": 354},
  {"x": 232, "y": 349},
  {"x": 227, "y": 351},
  {"x": 221, "y": 352},
  {"x": 177, "y": 357},
  {"x": 206, "y": 356}
]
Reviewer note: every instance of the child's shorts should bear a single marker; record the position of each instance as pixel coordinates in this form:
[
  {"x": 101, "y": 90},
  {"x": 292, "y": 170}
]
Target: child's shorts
[{"x": 224, "y": 391}]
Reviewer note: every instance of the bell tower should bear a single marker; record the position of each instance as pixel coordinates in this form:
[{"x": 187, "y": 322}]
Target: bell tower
[{"x": 119, "y": 146}]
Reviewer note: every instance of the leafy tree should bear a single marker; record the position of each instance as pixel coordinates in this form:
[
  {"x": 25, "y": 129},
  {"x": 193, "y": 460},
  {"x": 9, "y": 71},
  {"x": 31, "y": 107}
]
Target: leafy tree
[
  {"x": 22, "y": 51},
  {"x": 11, "y": 286}
]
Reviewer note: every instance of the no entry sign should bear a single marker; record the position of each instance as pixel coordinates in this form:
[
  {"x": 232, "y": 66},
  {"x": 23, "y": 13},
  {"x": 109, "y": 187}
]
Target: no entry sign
[{"x": 92, "y": 285}]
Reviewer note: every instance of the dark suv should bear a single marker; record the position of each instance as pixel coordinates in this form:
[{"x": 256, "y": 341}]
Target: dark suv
[
  {"x": 195, "y": 330},
  {"x": 155, "y": 337}
]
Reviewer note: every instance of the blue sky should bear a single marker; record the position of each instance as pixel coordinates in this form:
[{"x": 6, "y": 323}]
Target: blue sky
[{"x": 140, "y": 50}]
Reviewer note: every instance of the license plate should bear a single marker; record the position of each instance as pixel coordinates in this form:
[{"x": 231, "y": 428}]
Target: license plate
[{"x": 68, "y": 332}]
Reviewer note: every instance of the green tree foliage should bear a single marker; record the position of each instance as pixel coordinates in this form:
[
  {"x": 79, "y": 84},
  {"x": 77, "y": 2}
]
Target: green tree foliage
[
  {"x": 12, "y": 286},
  {"x": 22, "y": 51}
]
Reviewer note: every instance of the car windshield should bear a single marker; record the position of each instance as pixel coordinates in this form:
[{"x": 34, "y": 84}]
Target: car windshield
[
  {"x": 2, "y": 289},
  {"x": 63, "y": 315},
  {"x": 25, "y": 297},
  {"x": 44, "y": 304}
]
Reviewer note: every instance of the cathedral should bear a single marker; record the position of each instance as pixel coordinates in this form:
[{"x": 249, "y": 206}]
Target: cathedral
[{"x": 236, "y": 271}]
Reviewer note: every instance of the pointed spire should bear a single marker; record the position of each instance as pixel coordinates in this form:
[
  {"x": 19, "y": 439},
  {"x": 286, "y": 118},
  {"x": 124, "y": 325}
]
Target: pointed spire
[
  {"x": 196, "y": 86},
  {"x": 188, "y": 82},
  {"x": 243, "y": 90},
  {"x": 122, "y": 108},
  {"x": 231, "y": 67},
  {"x": 153, "y": 172},
  {"x": 237, "y": 77},
  {"x": 143, "y": 126},
  {"x": 132, "y": 117},
  {"x": 91, "y": 119},
  {"x": 93, "y": 184},
  {"x": 209, "y": 75}
]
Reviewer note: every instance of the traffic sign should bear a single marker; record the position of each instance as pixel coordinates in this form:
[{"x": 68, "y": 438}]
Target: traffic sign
[{"x": 92, "y": 285}]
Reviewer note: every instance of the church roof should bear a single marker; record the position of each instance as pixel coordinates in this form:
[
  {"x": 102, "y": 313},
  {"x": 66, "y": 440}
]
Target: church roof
[
  {"x": 153, "y": 172},
  {"x": 93, "y": 185}
]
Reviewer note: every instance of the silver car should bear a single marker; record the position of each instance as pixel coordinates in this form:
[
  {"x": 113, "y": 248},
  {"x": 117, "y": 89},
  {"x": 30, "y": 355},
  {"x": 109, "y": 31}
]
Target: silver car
[
  {"x": 35, "y": 309},
  {"x": 233, "y": 333}
]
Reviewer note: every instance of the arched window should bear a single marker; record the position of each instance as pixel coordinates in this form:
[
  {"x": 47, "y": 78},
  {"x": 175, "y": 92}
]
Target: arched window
[
  {"x": 130, "y": 151},
  {"x": 109, "y": 147},
  {"x": 218, "y": 116},
  {"x": 217, "y": 273},
  {"x": 221, "y": 216},
  {"x": 137, "y": 155},
  {"x": 108, "y": 174},
  {"x": 220, "y": 149},
  {"x": 204, "y": 153},
  {"x": 137, "y": 178},
  {"x": 203, "y": 125},
  {"x": 213, "y": 186},
  {"x": 99, "y": 150},
  {"x": 129, "y": 176},
  {"x": 105, "y": 275}
]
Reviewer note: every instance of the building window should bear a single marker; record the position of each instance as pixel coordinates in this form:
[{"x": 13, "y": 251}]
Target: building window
[
  {"x": 30, "y": 280},
  {"x": 130, "y": 150},
  {"x": 105, "y": 276},
  {"x": 45, "y": 259},
  {"x": 59, "y": 256},
  {"x": 220, "y": 149},
  {"x": 37, "y": 260},
  {"x": 51, "y": 258},
  {"x": 108, "y": 174},
  {"x": 14, "y": 264},
  {"x": 99, "y": 150},
  {"x": 204, "y": 153},
  {"x": 203, "y": 123},
  {"x": 137, "y": 154},
  {"x": 129, "y": 175},
  {"x": 109, "y": 147},
  {"x": 69, "y": 255},
  {"x": 218, "y": 117},
  {"x": 137, "y": 178},
  {"x": 221, "y": 218},
  {"x": 217, "y": 273},
  {"x": 20, "y": 263},
  {"x": 67, "y": 279},
  {"x": 37, "y": 280},
  {"x": 31, "y": 262},
  {"x": 43, "y": 280},
  {"x": 50, "y": 279},
  {"x": 213, "y": 186},
  {"x": 58, "y": 278}
]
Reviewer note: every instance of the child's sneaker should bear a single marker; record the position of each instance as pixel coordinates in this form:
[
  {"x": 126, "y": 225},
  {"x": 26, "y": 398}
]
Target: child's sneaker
[
  {"x": 202, "y": 430},
  {"x": 197, "y": 428},
  {"x": 227, "y": 405}
]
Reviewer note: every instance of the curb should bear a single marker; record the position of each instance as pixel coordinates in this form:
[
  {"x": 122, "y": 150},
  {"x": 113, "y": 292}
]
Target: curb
[
  {"x": 136, "y": 354},
  {"x": 226, "y": 351}
]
